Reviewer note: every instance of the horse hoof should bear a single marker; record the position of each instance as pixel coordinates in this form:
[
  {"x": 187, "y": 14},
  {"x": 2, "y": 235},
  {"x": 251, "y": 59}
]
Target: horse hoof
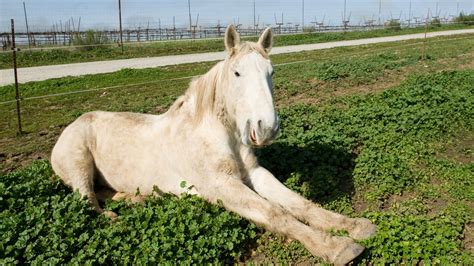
[
  {"x": 349, "y": 253},
  {"x": 364, "y": 229},
  {"x": 112, "y": 215}
]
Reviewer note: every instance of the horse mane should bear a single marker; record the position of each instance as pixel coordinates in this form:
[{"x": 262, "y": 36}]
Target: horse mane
[{"x": 205, "y": 89}]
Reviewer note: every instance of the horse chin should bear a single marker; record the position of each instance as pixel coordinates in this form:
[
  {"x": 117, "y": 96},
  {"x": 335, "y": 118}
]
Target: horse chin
[
  {"x": 246, "y": 141},
  {"x": 259, "y": 146},
  {"x": 254, "y": 144},
  {"x": 262, "y": 145}
]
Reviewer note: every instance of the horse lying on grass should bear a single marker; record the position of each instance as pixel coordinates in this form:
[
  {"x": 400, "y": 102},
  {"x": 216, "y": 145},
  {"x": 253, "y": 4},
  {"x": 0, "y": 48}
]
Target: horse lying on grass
[{"x": 206, "y": 139}]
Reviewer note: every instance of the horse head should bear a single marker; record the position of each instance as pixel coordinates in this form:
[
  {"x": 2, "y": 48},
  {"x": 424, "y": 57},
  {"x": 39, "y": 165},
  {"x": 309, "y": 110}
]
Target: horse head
[{"x": 249, "y": 92}]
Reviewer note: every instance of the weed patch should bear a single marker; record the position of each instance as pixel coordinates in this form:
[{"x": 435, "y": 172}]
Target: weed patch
[{"x": 43, "y": 222}]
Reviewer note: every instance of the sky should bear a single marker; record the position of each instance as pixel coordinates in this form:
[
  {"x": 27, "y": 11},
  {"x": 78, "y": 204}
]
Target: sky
[{"x": 103, "y": 14}]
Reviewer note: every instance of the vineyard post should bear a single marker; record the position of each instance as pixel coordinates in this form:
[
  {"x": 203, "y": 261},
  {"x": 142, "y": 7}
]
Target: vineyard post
[
  {"x": 17, "y": 91},
  {"x": 254, "y": 25},
  {"x": 120, "y": 22},
  {"x": 424, "y": 39},
  {"x": 302, "y": 16},
  {"x": 27, "y": 28}
]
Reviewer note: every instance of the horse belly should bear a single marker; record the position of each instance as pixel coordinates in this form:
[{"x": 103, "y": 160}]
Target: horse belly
[
  {"x": 143, "y": 156},
  {"x": 143, "y": 177},
  {"x": 125, "y": 168},
  {"x": 139, "y": 166}
]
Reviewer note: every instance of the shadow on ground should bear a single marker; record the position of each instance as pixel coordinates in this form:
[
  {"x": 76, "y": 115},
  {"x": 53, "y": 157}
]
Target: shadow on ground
[{"x": 318, "y": 171}]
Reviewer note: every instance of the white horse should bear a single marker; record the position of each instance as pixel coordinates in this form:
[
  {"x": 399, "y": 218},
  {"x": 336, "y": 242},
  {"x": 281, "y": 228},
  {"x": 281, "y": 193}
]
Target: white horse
[{"x": 206, "y": 139}]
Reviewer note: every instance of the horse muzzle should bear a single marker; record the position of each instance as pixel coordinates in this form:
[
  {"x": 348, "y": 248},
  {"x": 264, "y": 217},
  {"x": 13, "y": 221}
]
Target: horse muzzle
[{"x": 259, "y": 135}]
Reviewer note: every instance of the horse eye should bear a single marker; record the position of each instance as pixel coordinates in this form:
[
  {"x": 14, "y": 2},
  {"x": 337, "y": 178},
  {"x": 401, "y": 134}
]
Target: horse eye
[{"x": 237, "y": 74}]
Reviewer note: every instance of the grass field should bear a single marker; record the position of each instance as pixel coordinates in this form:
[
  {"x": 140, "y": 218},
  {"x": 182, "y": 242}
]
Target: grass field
[
  {"x": 63, "y": 56},
  {"x": 371, "y": 131}
]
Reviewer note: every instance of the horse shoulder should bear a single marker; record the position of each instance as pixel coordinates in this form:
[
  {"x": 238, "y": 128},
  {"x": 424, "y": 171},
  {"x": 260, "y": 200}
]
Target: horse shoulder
[{"x": 224, "y": 155}]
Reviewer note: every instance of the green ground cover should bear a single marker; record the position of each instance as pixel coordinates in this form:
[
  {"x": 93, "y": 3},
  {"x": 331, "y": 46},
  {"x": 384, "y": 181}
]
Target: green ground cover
[{"x": 369, "y": 131}]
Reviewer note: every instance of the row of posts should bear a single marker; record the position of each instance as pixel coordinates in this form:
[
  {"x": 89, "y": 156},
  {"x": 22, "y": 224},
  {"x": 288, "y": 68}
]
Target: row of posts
[{"x": 15, "y": 71}]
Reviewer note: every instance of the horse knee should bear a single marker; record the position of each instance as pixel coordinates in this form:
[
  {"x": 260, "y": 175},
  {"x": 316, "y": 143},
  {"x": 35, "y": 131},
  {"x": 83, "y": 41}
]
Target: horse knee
[{"x": 280, "y": 220}]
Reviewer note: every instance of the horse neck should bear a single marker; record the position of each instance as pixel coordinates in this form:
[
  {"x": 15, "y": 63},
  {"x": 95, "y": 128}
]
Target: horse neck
[{"x": 206, "y": 97}]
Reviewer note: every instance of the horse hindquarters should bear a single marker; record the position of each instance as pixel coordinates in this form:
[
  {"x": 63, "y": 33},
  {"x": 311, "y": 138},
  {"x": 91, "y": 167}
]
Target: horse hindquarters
[{"x": 72, "y": 160}]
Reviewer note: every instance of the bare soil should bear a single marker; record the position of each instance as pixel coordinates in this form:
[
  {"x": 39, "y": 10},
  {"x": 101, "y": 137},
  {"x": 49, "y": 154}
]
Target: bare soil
[{"x": 461, "y": 150}]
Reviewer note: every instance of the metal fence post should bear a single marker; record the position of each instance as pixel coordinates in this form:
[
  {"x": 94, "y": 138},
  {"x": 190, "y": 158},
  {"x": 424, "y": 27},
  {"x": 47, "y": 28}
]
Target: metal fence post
[{"x": 17, "y": 91}]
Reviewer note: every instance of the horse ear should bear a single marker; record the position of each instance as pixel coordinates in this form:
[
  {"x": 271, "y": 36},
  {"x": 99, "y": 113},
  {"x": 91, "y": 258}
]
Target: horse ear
[
  {"x": 266, "y": 39},
  {"x": 231, "y": 39}
]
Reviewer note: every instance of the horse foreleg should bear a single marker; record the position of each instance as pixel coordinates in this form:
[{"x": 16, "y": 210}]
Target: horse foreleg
[
  {"x": 267, "y": 186},
  {"x": 239, "y": 198}
]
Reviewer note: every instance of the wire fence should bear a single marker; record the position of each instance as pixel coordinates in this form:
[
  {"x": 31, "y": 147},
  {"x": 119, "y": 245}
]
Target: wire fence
[
  {"x": 348, "y": 55},
  {"x": 79, "y": 39},
  {"x": 72, "y": 36},
  {"x": 115, "y": 43},
  {"x": 249, "y": 16},
  {"x": 420, "y": 45}
]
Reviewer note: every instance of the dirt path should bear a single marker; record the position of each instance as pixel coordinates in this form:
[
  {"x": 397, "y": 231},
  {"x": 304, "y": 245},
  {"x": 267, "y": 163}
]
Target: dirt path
[{"x": 56, "y": 71}]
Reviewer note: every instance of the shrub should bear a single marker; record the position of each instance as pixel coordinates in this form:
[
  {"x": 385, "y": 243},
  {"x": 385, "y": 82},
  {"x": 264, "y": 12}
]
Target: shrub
[
  {"x": 393, "y": 24},
  {"x": 465, "y": 19},
  {"x": 435, "y": 22},
  {"x": 90, "y": 40},
  {"x": 308, "y": 29}
]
